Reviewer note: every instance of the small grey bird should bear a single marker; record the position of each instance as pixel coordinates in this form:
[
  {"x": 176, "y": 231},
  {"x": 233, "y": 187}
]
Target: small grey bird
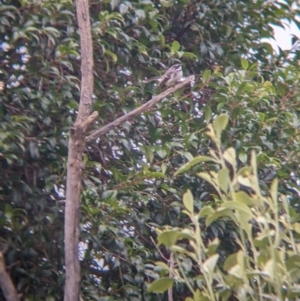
[
  {"x": 296, "y": 46},
  {"x": 169, "y": 78}
]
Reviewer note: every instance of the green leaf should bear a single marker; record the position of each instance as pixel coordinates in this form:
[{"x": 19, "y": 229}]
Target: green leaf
[
  {"x": 243, "y": 157},
  {"x": 207, "y": 210},
  {"x": 274, "y": 190},
  {"x": 112, "y": 55},
  {"x": 188, "y": 201},
  {"x": 178, "y": 249},
  {"x": 244, "y": 176},
  {"x": 224, "y": 179},
  {"x": 175, "y": 47},
  {"x": 237, "y": 272},
  {"x": 269, "y": 269},
  {"x": 205, "y": 76},
  {"x": 149, "y": 153},
  {"x": 222, "y": 212},
  {"x": 208, "y": 114},
  {"x": 199, "y": 297},
  {"x": 212, "y": 247},
  {"x": 210, "y": 263},
  {"x": 109, "y": 195},
  {"x": 243, "y": 197},
  {"x": 230, "y": 156},
  {"x": 166, "y": 3},
  {"x": 154, "y": 174},
  {"x": 161, "y": 152},
  {"x": 239, "y": 207},
  {"x": 230, "y": 261},
  {"x": 189, "y": 55},
  {"x": 162, "y": 40},
  {"x": 220, "y": 124},
  {"x": 293, "y": 262},
  {"x": 210, "y": 178},
  {"x": 160, "y": 285},
  {"x": 296, "y": 227},
  {"x": 168, "y": 238},
  {"x": 244, "y": 63},
  {"x": 162, "y": 265},
  {"x": 192, "y": 163},
  {"x": 163, "y": 167}
]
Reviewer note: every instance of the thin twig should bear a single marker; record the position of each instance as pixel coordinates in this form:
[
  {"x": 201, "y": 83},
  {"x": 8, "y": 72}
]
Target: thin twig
[
  {"x": 171, "y": 275},
  {"x": 171, "y": 268},
  {"x": 159, "y": 251}
]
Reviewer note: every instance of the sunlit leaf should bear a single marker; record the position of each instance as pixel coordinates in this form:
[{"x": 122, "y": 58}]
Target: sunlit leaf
[
  {"x": 210, "y": 263},
  {"x": 220, "y": 124},
  {"x": 188, "y": 201},
  {"x": 168, "y": 238},
  {"x": 244, "y": 63},
  {"x": 192, "y": 163},
  {"x": 161, "y": 285},
  {"x": 205, "y": 76}
]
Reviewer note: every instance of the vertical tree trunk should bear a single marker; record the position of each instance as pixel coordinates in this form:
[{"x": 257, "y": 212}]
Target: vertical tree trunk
[
  {"x": 6, "y": 284},
  {"x": 76, "y": 148}
]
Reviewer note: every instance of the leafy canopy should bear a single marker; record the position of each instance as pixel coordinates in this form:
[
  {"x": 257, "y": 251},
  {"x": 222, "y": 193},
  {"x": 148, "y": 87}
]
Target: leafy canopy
[{"x": 128, "y": 178}]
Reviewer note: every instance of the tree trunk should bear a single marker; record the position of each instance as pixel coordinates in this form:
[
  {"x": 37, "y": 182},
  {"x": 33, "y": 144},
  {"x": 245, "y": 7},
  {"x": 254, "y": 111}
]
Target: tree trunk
[{"x": 76, "y": 148}]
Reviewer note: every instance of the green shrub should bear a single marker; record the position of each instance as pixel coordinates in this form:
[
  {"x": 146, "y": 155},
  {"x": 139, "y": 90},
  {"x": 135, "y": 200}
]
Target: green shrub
[{"x": 266, "y": 263}]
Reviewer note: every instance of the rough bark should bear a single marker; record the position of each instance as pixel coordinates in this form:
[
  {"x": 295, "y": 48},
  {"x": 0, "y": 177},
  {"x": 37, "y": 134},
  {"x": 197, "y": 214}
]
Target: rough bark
[
  {"x": 77, "y": 142},
  {"x": 76, "y": 148},
  {"x": 6, "y": 284}
]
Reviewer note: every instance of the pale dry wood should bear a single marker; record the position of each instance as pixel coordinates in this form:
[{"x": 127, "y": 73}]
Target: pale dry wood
[
  {"x": 77, "y": 145},
  {"x": 75, "y": 152},
  {"x": 171, "y": 264},
  {"x": 143, "y": 108}
]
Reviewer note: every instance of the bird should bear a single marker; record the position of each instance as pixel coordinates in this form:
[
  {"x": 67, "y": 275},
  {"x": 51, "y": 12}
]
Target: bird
[
  {"x": 169, "y": 78},
  {"x": 296, "y": 46}
]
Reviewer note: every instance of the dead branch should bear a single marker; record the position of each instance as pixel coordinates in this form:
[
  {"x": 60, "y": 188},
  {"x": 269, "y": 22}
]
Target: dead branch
[{"x": 143, "y": 108}]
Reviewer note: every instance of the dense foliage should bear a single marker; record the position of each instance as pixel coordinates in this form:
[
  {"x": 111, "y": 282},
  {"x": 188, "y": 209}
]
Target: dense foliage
[
  {"x": 266, "y": 263},
  {"x": 128, "y": 181}
]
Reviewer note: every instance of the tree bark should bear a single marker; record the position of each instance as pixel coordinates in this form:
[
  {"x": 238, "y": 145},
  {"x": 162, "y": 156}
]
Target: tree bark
[
  {"x": 77, "y": 142},
  {"x": 6, "y": 284},
  {"x": 76, "y": 148}
]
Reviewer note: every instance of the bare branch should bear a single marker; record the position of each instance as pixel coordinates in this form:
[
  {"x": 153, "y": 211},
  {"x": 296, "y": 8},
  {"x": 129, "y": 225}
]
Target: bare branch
[
  {"x": 91, "y": 119},
  {"x": 143, "y": 108},
  {"x": 171, "y": 275}
]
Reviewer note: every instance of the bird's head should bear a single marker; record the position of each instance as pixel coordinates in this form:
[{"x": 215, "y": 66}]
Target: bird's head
[{"x": 176, "y": 67}]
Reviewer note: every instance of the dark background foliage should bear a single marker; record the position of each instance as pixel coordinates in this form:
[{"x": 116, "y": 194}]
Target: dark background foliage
[{"x": 128, "y": 182}]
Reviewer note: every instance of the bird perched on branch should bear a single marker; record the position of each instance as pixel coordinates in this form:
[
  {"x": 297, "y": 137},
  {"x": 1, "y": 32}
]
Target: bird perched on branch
[{"x": 169, "y": 78}]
